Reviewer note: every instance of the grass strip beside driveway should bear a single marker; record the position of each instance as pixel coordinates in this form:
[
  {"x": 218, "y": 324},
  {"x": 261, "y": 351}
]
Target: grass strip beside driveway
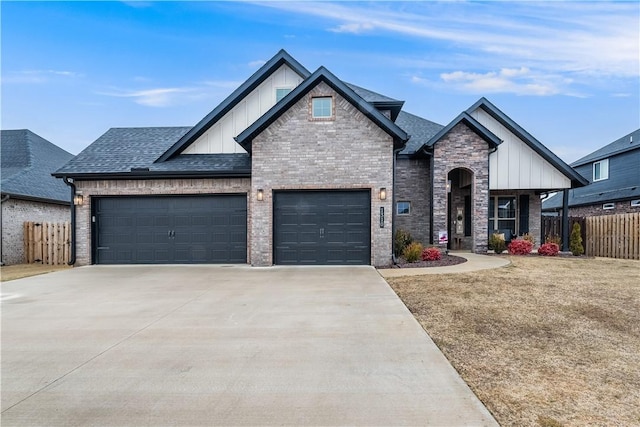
[
  {"x": 19, "y": 271},
  {"x": 542, "y": 342}
]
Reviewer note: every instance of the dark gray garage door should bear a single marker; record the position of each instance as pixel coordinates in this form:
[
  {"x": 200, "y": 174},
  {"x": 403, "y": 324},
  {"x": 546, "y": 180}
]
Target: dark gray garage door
[
  {"x": 166, "y": 230},
  {"x": 322, "y": 227}
]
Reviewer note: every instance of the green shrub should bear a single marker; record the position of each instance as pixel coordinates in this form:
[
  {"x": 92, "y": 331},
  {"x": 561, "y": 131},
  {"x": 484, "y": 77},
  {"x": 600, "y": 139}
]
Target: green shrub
[
  {"x": 431, "y": 254},
  {"x": 401, "y": 240},
  {"x": 575, "y": 242},
  {"x": 412, "y": 252},
  {"x": 497, "y": 243}
]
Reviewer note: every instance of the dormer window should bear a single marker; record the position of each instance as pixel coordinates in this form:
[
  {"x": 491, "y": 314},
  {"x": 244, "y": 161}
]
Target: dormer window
[
  {"x": 601, "y": 170},
  {"x": 282, "y": 92}
]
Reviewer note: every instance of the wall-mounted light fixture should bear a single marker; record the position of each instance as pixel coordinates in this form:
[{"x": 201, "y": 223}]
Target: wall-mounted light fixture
[
  {"x": 449, "y": 186},
  {"x": 383, "y": 193},
  {"x": 260, "y": 195},
  {"x": 78, "y": 200}
]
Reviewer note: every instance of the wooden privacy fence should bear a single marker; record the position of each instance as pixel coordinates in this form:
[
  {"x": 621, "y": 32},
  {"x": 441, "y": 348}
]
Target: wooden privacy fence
[
  {"x": 614, "y": 236},
  {"x": 552, "y": 227},
  {"x": 47, "y": 243}
]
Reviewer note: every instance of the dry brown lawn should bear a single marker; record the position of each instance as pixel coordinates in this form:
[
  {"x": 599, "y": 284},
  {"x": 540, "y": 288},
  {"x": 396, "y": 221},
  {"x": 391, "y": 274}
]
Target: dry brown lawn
[
  {"x": 542, "y": 342},
  {"x": 12, "y": 272}
]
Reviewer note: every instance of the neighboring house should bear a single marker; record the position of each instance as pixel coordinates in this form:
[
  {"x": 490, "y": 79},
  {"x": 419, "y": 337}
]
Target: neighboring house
[
  {"x": 29, "y": 192},
  {"x": 297, "y": 167},
  {"x": 613, "y": 173}
]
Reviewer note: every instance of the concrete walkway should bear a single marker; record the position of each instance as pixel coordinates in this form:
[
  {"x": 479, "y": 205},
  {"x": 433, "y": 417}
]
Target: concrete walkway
[
  {"x": 207, "y": 345},
  {"x": 474, "y": 262}
]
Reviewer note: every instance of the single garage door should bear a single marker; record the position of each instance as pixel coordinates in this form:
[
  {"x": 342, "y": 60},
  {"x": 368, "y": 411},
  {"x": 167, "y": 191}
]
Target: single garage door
[
  {"x": 170, "y": 229},
  {"x": 322, "y": 227}
]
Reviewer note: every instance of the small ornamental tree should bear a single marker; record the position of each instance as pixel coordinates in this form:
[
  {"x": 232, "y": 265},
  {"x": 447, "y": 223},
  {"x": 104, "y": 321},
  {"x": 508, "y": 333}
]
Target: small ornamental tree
[
  {"x": 549, "y": 249},
  {"x": 575, "y": 242},
  {"x": 401, "y": 240},
  {"x": 520, "y": 247},
  {"x": 431, "y": 254}
]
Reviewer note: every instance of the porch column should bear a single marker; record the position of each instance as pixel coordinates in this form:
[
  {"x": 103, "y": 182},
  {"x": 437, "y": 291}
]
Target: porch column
[{"x": 565, "y": 220}]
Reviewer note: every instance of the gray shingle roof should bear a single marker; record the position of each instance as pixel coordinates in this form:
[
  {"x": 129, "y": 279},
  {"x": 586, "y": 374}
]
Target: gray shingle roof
[
  {"x": 420, "y": 130},
  {"x": 369, "y": 95},
  {"x": 120, "y": 150},
  {"x": 27, "y": 163},
  {"x": 628, "y": 142}
]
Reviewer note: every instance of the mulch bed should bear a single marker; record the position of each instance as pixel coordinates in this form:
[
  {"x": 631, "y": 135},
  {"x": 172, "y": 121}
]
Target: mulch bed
[{"x": 443, "y": 262}]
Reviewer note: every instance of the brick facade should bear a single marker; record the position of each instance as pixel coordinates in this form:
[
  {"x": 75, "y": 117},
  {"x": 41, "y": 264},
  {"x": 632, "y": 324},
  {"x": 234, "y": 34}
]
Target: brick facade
[
  {"x": 299, "y": 153},
  {"x": 621, "y": 207},
  {"x": 151, "y": 187},
  {"x": 14, "y": 213},
  {"x": 413, "y": 184},
  {"x": 462, "y": 148}
]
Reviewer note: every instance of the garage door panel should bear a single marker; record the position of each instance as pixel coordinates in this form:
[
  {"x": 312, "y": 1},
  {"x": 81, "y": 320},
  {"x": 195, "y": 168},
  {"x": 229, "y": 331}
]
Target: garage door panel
[
  {"x": 173, "y": 229},
  {"x": 322, "y": 227}
]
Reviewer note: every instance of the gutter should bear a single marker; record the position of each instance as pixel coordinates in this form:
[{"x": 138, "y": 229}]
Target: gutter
[
  {"x": 2, "y": 200},
  {"x": 72, "y": 244},
  {"x": 143, "y": 174}
]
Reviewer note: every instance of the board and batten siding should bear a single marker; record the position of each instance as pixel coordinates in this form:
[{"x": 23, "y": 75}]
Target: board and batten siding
[
  {"x": 219, "y": 137},
  {"x": 515, "y": 165}
]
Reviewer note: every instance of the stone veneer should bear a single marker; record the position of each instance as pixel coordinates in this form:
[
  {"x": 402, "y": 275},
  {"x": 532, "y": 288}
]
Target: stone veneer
[
  {"x": 14, "y": 213},
  {"x": 148, "y": 187},
  {"x": 462, "y": 148},
  {"x": 413, "y": 184},
  {"x": 297, "y": 152}
]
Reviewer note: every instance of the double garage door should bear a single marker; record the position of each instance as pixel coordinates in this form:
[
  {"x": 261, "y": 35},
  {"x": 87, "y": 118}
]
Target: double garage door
[
  {"x": 170, "y": 230},
  {"x": 309, "y": 228}
]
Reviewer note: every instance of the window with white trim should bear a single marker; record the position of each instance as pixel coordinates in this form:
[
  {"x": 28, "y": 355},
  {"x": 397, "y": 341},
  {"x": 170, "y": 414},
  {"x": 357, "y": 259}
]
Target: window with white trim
[
  {"x": 322, "y": 107},
  {"x": 607, "y": 206},
  {"x": 601, "y": 170},
  {"x": 635, "y": 203},
  {"x": 403, "y": 208},
  {"x": 281, "y": 92}
]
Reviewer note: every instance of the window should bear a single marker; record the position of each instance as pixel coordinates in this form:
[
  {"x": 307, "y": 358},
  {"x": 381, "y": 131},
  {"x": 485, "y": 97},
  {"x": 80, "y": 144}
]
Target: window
[
  {"x": 502, "y": 213},
  {"x": 607, "y": 206},
  {"x": 281, "y": 93},
  {"x": 635, "y": 203},
  {"x": 403, "y": 208},
  {"x": 322, "y": 107},
  {"x": 601, "y": 170}
]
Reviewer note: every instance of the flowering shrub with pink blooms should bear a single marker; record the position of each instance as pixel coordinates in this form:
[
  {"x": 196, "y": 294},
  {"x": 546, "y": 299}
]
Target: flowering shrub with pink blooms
[
  {"x": 431, "y": 254},
  {"x": 520, "y": 247},
  {"x": 549, "y": 249}
]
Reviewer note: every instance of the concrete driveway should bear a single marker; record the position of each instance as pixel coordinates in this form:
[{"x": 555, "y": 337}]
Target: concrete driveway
[{"x": 214, "y": 345}]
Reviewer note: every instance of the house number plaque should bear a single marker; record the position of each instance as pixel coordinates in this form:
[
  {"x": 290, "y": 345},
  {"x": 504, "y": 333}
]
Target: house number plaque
[{"x": 382, "y": 217}]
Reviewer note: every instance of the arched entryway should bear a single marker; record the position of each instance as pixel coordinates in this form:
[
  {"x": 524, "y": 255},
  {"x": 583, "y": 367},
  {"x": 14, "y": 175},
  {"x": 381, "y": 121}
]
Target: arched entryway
[{"x": 460, "y": 209}]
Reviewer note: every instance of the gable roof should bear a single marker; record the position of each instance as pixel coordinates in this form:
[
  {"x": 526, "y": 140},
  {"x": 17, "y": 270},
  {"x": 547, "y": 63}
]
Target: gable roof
[
  {"x": 128, "y": 152},
  {"x": 27, "y": 163},
  {"x": 628, "y": 142},
  {"x": 399, "y": 136},
  {"x": 473, "y": 124},
  {"x": 534, "y": 144},
  {"x": 421, "y": 131},
  {"x": 381, "y": 102},
  {"x": 281, "y": 58}
]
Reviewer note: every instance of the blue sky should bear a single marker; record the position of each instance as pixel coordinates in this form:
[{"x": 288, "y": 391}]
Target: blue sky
[{"x": 568, "y": 72}]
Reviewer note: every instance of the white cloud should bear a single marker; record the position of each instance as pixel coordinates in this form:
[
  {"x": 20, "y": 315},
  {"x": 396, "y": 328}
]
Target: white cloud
[
  {"x": 583, "y": 39},
  {"x": 159, "y": 97},
  {"x": 38, "y": 76},
  {"x": 257, "y": 63},
  {"x": 519, "y": 81}
]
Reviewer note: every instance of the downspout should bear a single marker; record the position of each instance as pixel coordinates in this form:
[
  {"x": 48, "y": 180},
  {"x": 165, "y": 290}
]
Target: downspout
[
  {"x": 4, "y": 199},
  {"x": 72, "y": 244},
  {"x": 393, "y": 207}
]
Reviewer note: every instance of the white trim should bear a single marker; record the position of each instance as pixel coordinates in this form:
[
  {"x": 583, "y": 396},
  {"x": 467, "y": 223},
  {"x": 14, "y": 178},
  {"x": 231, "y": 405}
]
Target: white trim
[
  {"x": 603, "y": 170},
  {"x": 635, "y": 203},
  {"x": 398, "y": 205},
  {"x": 608, "y": 206}
]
